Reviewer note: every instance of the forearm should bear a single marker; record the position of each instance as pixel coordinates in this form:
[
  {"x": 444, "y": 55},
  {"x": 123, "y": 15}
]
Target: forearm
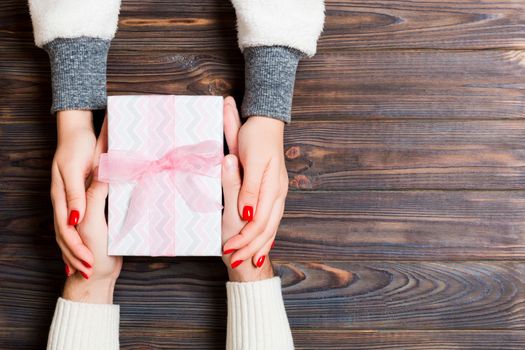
[
  {"x": 85, "y": 318},
  {"x": 76, "y": 34}
]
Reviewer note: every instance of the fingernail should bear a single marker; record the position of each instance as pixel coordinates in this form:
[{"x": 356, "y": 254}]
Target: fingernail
[
  {"x": 229, "y": 251},
  {"x": 73, "y": 217},
  {"x": 260, "y": 261},
  {"x": 68, "y": 271},
  {"x": 84, "y": 275},
  {"x": 85, "y": 264},
  {"x": 236, "y": 263},
  {"x": 230, "y": 102},
  {"x": 273, "y": 245},
  {"x": 247, "y": 213},
  {"x": 231, "y": 163}
]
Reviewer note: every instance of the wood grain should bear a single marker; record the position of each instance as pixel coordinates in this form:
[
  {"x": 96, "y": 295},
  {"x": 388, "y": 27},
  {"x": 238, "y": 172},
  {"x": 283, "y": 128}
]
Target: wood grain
[
  {"x": 456, "y": 24},
  {"x": 401, "y": 85},
  {"x": 345, "y": 226},
  {"x": 134, "y": 338},
  {"x": 405, "y": 224},
  {"x": 410, "y": 340},
  {"x": 408, "y": 154},
  {"x": 189, "y": 294}
]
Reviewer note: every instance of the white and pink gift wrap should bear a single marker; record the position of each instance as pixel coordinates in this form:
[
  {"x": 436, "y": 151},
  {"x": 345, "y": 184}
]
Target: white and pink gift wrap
[{"x": 170, "y": 139}]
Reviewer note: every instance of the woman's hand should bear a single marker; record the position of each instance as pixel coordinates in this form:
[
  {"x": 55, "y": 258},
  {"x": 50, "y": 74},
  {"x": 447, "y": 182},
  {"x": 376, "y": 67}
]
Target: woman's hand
[
  {"x": 71, "y": 165},
  {"x": 96, "y": 285},
  {"x": 263, "y": 191},
  {"x": 232, "y": 224}
]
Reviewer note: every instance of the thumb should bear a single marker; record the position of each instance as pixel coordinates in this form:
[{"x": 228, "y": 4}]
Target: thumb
[
  {"x": 231, "y": 183},
  {"x": 232, "y": 124},
  {"x": 249, "y": 194},
  {"x": 74, "y": 184},
  {"x": 96, "y": 194}
]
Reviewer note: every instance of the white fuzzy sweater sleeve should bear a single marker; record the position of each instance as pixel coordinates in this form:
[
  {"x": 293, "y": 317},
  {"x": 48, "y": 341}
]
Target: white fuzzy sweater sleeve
[
  {"x": 54, "y": 19},
  {"x": 83, "y": 326},
  {"x": 292, "y": 23}
]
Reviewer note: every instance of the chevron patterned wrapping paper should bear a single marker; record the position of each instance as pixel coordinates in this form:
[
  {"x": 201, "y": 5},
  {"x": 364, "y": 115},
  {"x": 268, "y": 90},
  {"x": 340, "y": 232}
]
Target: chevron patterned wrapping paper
[{"x": 152, "y": 125}]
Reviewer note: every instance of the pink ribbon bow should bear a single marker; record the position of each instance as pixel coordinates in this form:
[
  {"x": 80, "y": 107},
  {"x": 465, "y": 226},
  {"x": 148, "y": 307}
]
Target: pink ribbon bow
[{"x": 184, "y": 162}]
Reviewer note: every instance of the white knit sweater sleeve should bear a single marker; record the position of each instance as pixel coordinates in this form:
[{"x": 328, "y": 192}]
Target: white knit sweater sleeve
[
  {"x": 256, "y": 316},
  {"x": 83, "y": 326},
  {"x": 256, "y": 321}
]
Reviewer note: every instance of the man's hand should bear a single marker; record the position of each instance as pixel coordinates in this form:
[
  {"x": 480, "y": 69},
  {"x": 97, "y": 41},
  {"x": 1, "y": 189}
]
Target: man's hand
[
  {"x": 71, "y": 166},
  {"x": 98, "y": 284},
  {"x": 263, "y": 191}
]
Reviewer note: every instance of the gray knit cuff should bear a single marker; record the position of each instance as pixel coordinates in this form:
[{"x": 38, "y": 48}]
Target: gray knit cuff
[
  {"x": 78, "y": 73},
  {"x": 269, "y": 81}
]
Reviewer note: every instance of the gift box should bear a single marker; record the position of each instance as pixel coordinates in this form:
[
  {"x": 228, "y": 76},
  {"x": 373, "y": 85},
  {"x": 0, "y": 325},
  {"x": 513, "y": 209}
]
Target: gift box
[{"x": 163, "y": 167}]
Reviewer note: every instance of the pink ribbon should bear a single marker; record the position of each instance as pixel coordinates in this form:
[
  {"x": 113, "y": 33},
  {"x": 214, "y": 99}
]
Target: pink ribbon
[{"x": 183, "y": 162}]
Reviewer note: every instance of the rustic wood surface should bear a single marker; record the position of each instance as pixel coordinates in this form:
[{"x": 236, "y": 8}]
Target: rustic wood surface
[{"x": 405, "y": 221}]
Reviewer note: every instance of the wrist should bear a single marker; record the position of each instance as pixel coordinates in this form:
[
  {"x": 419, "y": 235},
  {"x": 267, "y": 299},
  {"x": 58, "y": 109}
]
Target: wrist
[
  {"x": 268, "y": 126},
  {"x": 71, "y": 121},
  {"x": 74, "y": 119},
  {"x": 251, "y": 273},
  {"x": 93, "y": 291}
]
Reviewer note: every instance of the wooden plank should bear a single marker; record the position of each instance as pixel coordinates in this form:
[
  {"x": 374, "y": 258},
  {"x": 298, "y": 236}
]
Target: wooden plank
[
  {"x": 346, "y": 226},
  {"x": 350, "y": 25},
  {"x": 409, "y": 340},
  {"x": 392, "y": 225},
  {"x": 459, "y": 85},
  {"x": 190, "y": 294},
  {"x": 411, "y": 85},
  {"x": 456, "y": 24},
  {"x": 135, "y": 337},
  {"x": 407, "y": 154}
]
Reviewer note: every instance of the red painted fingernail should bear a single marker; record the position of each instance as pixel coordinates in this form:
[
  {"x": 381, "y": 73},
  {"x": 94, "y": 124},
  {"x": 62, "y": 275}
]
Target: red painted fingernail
[
  {"x": 236, "y": 263},
  {"x": 84, "y": 275},
  {"x": 260, "y": 261},
  {"x": 247, "y": 213},
  {"x": 229, "y": 251},
  {"x": 68, "y": 271},
  {"x": 73, "y": 217},
  {"x": 85, "y": 264},
  {"x": 273, "y": 245}
]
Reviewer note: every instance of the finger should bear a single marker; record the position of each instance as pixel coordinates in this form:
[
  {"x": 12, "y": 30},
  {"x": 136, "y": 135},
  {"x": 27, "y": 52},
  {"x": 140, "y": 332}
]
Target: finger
[
  {"x": 232, "y": 124},
  {"x": 74, "y": 185},
  {"x": 254, "y": 228},
  {"x": 72, "y": 262},
  {"x": 268, "y": 199},
  {"x": 102, "y": 142},
  {"x": 249, "y": 250},
  {"x": 251, "y": 184},
  {"x": 96, "y": 197},
  {"x": 78, "y": 254},
  {"x": 98, "y": 189},
  {"x": 67, "y": 233},
  {"x": 231, "y": 183},
  {"x": 260, "y": 256},
  {"x": 68, "y": 269}
]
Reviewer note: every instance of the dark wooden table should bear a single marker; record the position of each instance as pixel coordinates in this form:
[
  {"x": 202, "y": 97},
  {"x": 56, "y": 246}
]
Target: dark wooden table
[{"x": 405, "y": 221}]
